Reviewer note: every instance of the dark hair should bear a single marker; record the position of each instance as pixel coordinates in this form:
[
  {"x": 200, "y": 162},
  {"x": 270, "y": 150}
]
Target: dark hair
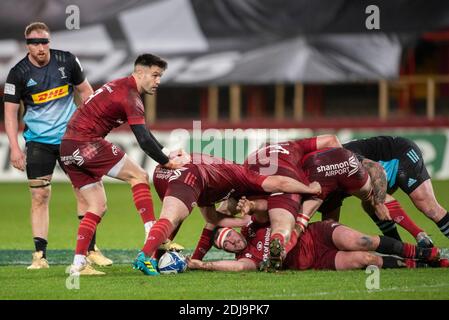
[
  {"x": 36, "y": 26},
  {"x": 149, "y": 60}
]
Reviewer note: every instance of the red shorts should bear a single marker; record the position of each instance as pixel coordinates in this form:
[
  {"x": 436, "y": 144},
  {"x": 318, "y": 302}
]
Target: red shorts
[
  {"x": 325, "y": 250},
  {"x": 87, "y": 162},
  {"x": 286, "y": 201},
  {"x": 186, "y": 186},
  {"x": 315, "y": 248}
]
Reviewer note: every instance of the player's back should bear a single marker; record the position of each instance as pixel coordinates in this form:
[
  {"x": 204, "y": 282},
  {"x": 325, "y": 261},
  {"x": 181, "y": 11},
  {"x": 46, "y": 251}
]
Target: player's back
[
  {"x": 280, "y": 157},
  {"x": 378, "y": 148},
  {"x": 335, "y": 168},
  {"x": 224, "y": 180},
  {"x": 113, "y": 104}
]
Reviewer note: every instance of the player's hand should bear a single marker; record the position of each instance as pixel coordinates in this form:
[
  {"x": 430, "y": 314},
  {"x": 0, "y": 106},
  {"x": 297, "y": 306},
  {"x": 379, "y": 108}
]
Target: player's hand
[
  {"x": 382, "y": 211},
  {"x": 174, "y": 164},
  {"x": 315, "y": 188},
  {"x": 245, "y": 206},
  {"x": 193, "y": 263},
  {"x": 18, "y": 159},
  {"x": 178, "y": 153}
]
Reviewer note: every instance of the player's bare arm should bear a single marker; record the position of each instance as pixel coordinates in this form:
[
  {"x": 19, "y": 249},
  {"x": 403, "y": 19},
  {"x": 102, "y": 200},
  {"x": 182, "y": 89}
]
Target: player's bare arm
[
  {"x": 327, "y": 141},
  {"x": 219, "y": 219},
  {"x": 84, "y": 90},
  {"x": 366, "y": 194},
  {"x": 378, "y": 180},
  {"x": 222, "y": 265},
  {"x": 285, "y": 184},
  {"x": 17, "y": 156}
]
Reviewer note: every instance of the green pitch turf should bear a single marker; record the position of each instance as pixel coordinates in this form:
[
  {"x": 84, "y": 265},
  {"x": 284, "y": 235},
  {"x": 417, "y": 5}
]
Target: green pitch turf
[{"x": 120, "y": 235}]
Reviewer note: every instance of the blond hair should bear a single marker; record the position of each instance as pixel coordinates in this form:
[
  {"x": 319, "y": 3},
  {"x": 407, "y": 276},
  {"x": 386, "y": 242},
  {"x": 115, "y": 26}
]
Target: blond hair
[{"x": 36, "y": 26}]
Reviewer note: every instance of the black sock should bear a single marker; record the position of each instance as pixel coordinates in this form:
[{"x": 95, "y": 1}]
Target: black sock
[
  {"x": 389, "y": 245},
  {"x": 94, "y": 238},
  {"x": 390, "y": 262},
  {"x": 389, "y": 229},
  {"x": 41, "y": 245},
  {"x": 443, "y": 224}
]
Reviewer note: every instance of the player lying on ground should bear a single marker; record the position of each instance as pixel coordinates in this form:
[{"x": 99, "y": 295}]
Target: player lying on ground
[
  {"x": 403, "y": 163},
  {"x": 87, "y": 156},
  {"x": 200, "y": 184},
  {"x": 324, "y": 245},
  {"x": 284, "y": 159}
]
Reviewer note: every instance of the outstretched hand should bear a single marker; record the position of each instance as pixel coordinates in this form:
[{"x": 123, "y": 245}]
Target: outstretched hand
[
  {"x": 193, "y": 263},
  {"x": 382, "y": 211}
]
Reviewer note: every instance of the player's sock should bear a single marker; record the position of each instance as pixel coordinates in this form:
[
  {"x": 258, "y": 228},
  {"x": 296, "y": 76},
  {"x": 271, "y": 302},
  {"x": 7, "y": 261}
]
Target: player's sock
[
  {"x": 94, "y": 238},
  {"x": 143, "y": 202},
  {"x": 401, "y": 217},
  {"x": 389, "y": 229},
  {"x": 204, "y": 244},
  {"x": 389, "y": 262},
  {"x": 86, "y": 231},
  {"x": 443, "y": 225},
  {"x": 41, "y": 245},
  {"x": 158, "y": 233},
  {"x": 389, "y": 245},
  {"x": 292, "y": 242}
]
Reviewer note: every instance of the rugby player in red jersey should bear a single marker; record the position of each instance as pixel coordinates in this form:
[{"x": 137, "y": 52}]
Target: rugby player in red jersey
[
  {"x": 333, "y": 168},
  {"x": 285, "y": 158},
  {"x": 87, "y": 156},
  {"x": 203, "y": 184},
  {"x": 323, "y": 245}
]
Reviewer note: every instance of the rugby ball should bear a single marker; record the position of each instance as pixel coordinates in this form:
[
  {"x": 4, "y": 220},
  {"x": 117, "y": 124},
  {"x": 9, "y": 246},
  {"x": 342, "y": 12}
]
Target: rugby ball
[{"x": 172, "y": 262}]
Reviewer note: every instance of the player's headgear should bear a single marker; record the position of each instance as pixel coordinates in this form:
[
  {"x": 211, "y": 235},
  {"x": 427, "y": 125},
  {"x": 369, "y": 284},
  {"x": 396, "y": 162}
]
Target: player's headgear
[{"x": 220, "y": 237}]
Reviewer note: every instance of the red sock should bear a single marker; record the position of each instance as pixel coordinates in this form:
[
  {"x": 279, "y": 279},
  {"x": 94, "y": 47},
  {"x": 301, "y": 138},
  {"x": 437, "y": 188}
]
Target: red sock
[
  {"x": 292, "y": 242},
  {"x": 408, "y": 251},
  {"x": 86, "y": 230},
  {"x": 400, "y": 217},
  {"x": 158, "y": 234},
  {"x": 143, "y": 201},
  {"x": 204, "y": 244}
]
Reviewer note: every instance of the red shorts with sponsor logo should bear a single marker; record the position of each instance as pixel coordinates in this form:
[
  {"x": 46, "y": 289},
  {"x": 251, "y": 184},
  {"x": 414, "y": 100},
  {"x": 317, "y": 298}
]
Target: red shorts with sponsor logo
[
  {"x": 186, "y": 185},
  {"x": 87, "y": 162}
]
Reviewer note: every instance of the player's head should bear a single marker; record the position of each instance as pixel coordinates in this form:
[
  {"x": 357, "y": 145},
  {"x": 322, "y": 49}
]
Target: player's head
[
  {"x": 229, "y": 240},
  {"x": 148, "y": 70},
  {"x": 37, "y": 37}
]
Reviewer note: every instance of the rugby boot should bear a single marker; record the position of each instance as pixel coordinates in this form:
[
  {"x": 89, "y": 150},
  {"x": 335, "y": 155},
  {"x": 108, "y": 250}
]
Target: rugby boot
[
  {"x": 427, "y": 254},
  {"x": 84, "y": 270},
  {"x": 39, "y": 262},
  {"x": 96, "y": 257},
  {"x": 169, "y": 245},
  {"x": 444, "y": 253},
  {"x": 145, "y": 264},
  {"x": 277, "y": 255},
  {"x": 423, "y": 240}
]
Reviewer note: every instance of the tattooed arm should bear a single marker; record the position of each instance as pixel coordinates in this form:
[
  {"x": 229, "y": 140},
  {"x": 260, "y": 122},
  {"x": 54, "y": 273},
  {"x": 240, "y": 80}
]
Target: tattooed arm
[{"x": 378, "y": 180}]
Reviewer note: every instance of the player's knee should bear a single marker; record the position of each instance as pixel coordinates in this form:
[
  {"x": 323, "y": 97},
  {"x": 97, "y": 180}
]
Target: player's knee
[{"x": 40, "y": 196}]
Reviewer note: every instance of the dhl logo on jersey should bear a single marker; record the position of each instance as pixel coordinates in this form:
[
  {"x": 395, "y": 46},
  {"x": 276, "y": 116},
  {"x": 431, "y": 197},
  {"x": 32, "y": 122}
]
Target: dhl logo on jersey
[{"x": 51, "y": 94}]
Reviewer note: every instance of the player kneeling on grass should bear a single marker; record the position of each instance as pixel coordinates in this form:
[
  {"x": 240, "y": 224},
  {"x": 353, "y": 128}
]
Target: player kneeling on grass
[{"x": 325, "y": 245}]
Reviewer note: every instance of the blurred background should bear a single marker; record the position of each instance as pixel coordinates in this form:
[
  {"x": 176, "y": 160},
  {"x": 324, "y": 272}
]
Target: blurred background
[{"x": 354, "y": 68}]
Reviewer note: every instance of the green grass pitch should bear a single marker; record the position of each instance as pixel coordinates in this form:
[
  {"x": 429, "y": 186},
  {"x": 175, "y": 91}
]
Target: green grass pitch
[{"x": 120, "y": 234}]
